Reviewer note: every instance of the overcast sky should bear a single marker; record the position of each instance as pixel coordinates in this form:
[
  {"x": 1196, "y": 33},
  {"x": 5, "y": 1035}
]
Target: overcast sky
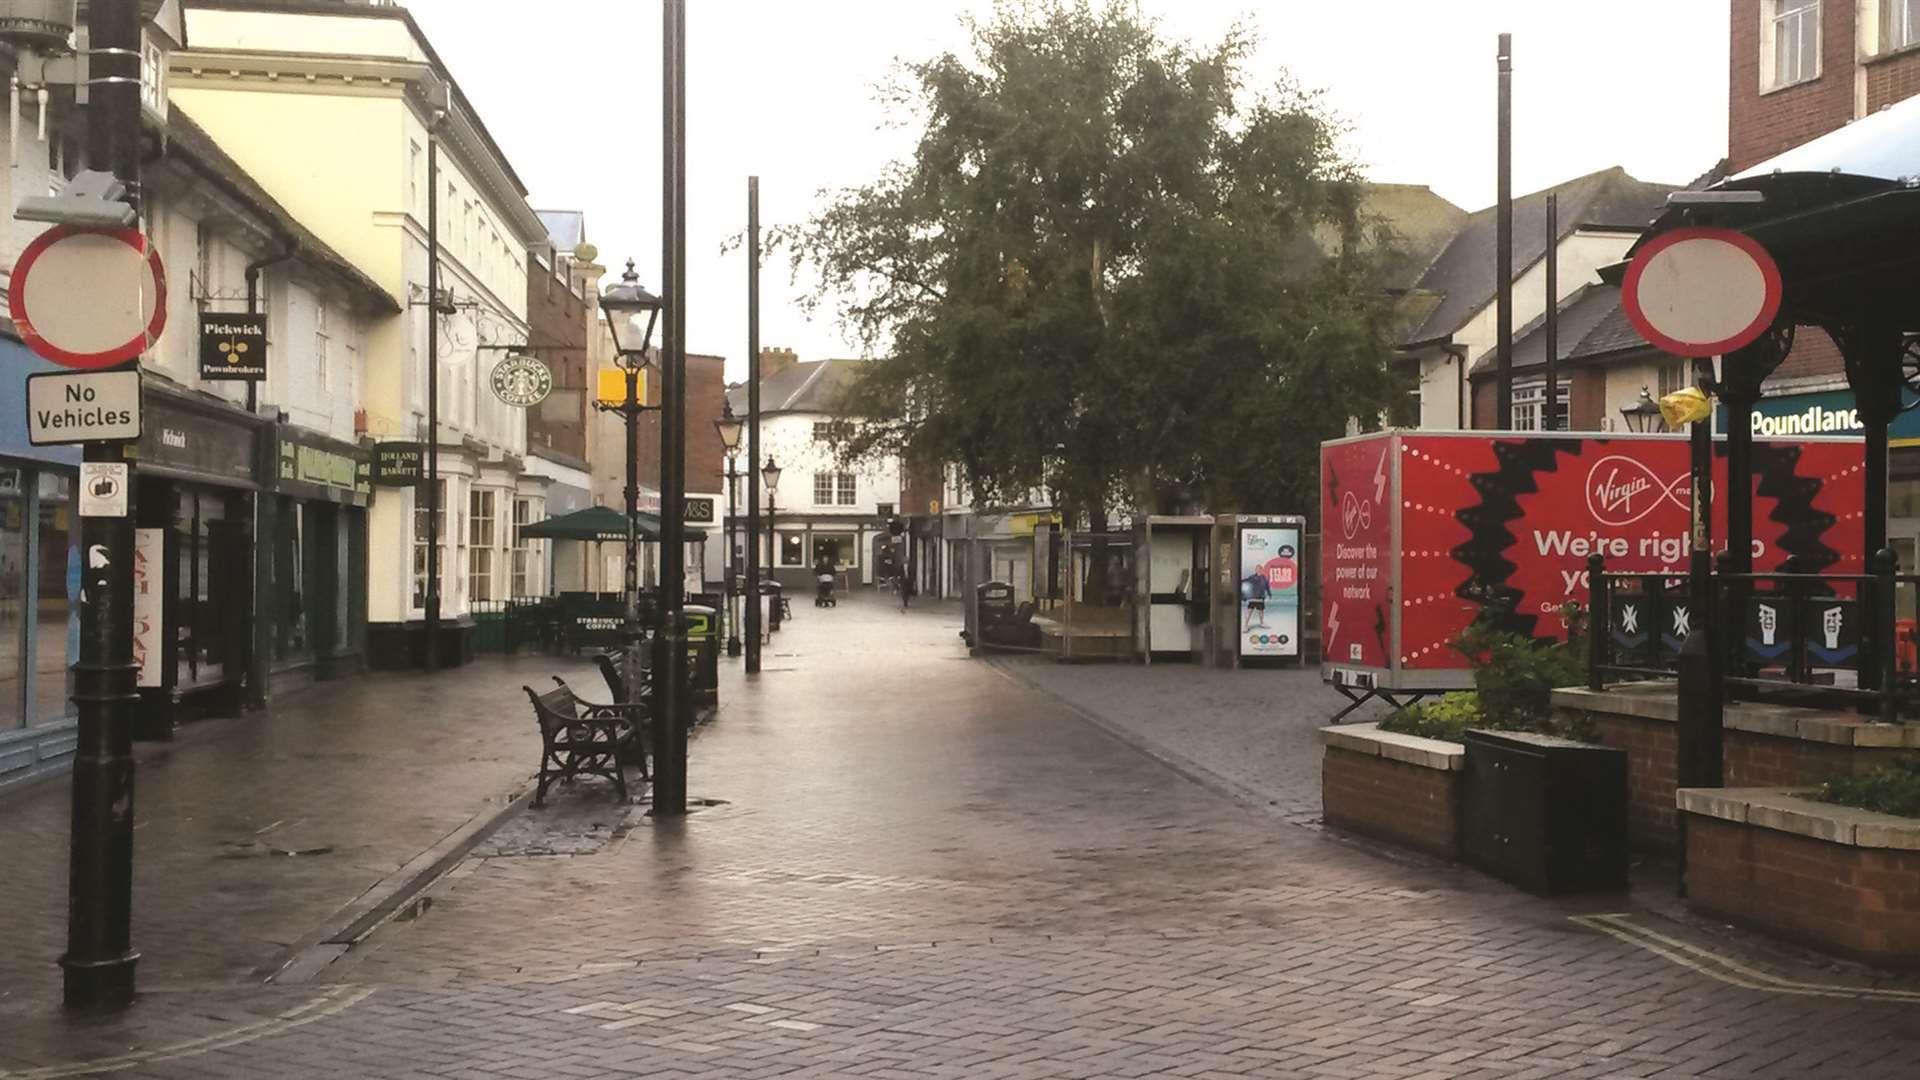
[{"x": 571, "y": 90}]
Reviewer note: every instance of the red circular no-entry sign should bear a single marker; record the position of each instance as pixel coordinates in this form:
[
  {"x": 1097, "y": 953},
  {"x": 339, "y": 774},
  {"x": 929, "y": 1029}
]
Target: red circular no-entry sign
[
  {"x": 1701, "y": 291},
  {"x": 89, "y": 298}
]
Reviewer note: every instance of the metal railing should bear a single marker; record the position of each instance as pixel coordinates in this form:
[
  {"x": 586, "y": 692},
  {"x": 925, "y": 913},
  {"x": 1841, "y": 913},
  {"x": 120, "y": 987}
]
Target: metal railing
[{"x": 1796, "y": 638}]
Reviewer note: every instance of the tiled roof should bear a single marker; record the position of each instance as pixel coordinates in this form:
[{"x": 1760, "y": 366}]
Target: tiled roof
[
  {"x": 813, "y": 386},
  {"x": 1463, "y": 276}
]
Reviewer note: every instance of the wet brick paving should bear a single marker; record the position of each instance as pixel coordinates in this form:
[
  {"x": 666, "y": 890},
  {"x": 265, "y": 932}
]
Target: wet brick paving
[{"x": 925, "y": 868}]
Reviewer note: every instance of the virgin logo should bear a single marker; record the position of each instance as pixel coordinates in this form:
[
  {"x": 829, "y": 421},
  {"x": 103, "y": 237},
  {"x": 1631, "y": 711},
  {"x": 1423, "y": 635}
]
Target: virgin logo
[
  {"x": 1621, "y": 491},
  {"x": 1355, "y": 514}
]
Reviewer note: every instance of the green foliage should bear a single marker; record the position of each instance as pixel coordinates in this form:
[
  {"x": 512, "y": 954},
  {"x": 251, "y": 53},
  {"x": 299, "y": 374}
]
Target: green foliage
[
  {"x": 1516, "y": 674},
  {"x": 1890, "y": 789},
  {"x": 1514, "y": 677},
  {"x": 1110, "y": 269},
  {"x": 1446, "y": 718}
]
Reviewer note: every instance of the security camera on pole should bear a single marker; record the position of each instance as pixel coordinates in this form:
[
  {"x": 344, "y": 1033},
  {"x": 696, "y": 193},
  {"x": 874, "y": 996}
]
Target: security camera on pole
[{"x": 90, "y": 294}]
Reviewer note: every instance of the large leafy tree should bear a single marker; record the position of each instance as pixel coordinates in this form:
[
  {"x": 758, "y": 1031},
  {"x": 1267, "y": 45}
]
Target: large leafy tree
[{"x": 1110, "y": 270}]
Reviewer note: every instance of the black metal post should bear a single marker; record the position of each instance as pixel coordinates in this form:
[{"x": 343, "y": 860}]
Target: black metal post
[
  {"x": 773, "y": 558},
  {"x": 1550, "y": 418},
  {"x": 433, "y": 396},
  {"x": 732, "y": 566},
  {"x": 630, "y": 633},
  {"x": 100, "y": 959},
  {"x": 1885, "y": 565},
  {"x": 670, "y": 773},
  {"x": 1698, "y": 752},
  {"x": 753, "y": 425},
  {"x": 1503, "y": 243}
]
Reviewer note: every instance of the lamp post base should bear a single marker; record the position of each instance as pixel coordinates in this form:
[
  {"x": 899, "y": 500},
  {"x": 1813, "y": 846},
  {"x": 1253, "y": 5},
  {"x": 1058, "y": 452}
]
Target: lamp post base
[
  {"x": 734, "y": 648},
  {"x": 92, "y": 985}
]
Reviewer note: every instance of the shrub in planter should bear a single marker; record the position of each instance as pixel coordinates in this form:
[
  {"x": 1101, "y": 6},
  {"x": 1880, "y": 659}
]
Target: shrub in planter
[
  {"x": 1514, "y": 678},
  {"x": 1890, "y": 789}
]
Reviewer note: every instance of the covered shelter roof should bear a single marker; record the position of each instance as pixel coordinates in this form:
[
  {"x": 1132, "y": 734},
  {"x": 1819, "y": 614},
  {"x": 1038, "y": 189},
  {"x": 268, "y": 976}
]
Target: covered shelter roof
[{"x": 1839, "y": 214}]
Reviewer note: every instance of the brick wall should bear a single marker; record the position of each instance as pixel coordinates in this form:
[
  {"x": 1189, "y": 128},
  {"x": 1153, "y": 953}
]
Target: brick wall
[
  {"x": 1892, "y": 78},
  {"x": 556, "y": 315},
  {"x": 706, "y": 457},
  {"x": 1861, "y": 902},
  {"x": 1395, "y": 801},
  {"x": 1749, "y": 760},
  {"x": 1762, "y": 125}
]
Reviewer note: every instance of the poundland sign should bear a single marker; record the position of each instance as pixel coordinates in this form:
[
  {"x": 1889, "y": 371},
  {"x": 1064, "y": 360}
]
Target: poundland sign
[{"x": 1829, "y": 413}]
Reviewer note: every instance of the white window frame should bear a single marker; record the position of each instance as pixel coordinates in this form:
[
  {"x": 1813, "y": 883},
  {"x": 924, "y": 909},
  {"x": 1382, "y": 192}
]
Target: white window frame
[
  {"x": 521, "y": 581},
  {"x": 1781, "y": 20},
  {"x": 1899, "y": 24},
  {"x": 1530, "y": 395},
  {"x": 419, "y": 566},
  {"x": 483, "y": 537}
]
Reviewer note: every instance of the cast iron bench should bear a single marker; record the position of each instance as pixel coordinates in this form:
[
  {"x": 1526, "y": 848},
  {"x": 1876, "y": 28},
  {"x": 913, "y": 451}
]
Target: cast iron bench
[{"x": 584, "y": 738}]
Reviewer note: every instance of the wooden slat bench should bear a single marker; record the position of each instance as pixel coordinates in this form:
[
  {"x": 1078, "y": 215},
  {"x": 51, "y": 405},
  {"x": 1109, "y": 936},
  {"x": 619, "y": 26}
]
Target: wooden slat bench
[{"x": 585, "y": 738}]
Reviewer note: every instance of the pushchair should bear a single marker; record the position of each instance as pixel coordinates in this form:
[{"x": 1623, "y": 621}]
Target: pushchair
[{"x": 823, "y": 591}]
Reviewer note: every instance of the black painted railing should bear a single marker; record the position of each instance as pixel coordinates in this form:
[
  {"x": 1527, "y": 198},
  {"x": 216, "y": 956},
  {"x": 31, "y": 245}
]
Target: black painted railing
[{"x": 1814, "y": 639}]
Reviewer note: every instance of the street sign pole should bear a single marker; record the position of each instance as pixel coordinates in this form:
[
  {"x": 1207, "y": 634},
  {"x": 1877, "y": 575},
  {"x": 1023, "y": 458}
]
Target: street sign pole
[{"x": 100, "y": 958}]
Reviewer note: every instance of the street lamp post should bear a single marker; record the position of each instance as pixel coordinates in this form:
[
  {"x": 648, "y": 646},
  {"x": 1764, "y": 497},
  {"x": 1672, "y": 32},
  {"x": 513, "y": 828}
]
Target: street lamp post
[
  {"x": 623, "y": 304},
  {"x": 729, "y": 427},
  {"x": 770, "y": 476},
  {"x": 1643, "y": 416}
]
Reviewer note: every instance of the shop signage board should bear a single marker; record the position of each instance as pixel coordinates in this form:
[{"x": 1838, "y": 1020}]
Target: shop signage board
[
  {"x": 699, "y": 510},
  {"x": 89, "y": 298},
  {"x": 149, "y": 603},
  {"x": 1827, "y": 412},
  {"x": 103, "y": 488},
  {"x": 311, "y": 464},
  {"x": 199, "y": 442},
  {"x": 521, "y": 381},
  {"x": 399, "y": 464},
  {"x": 1269, "y": 585},
  {"x": 233, "y": 347},
  {"x": 1417, "y": 526},
  {"x": 82, "y": 407}
]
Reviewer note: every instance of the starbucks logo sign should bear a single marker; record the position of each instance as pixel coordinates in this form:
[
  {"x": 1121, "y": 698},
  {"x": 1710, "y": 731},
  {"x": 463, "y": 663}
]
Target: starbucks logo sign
[{"x": 522, "y": 381}]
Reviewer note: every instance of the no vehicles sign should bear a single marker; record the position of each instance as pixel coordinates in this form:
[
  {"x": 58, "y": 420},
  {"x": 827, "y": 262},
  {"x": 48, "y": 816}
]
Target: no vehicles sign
[{"x": 82, "y": 407}]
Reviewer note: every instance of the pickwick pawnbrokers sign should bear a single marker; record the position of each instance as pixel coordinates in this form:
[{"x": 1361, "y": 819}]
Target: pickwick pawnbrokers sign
[
  {"x": 233, "y": 347},
  {"x": 313, "y": 466}
]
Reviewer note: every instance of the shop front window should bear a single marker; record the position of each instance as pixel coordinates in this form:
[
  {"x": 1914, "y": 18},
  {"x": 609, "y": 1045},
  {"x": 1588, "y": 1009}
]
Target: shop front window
[
  {"x": 421, "y": 523},
  {"x": 793, "y": 549},
  {"x": 211, "y": 550},
  {"x": 17, "y": 584},
  {"x": 481, "y": 543},
  {"x": 840, "y": 552},
  {"x": 522, "y": 549},
  {"x": 57, "y": 581},
  {"x": 292, "y": 641}
]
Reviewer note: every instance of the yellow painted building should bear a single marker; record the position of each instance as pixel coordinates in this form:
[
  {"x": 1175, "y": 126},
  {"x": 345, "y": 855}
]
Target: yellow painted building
[{"x": 335, "y": 112}]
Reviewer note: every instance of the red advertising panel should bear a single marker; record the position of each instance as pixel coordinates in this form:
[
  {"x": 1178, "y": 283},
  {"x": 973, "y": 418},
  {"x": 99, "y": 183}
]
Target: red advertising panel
[
  {"x": 1356, "y": 550},
  {"x": 1516, "y": 516}
]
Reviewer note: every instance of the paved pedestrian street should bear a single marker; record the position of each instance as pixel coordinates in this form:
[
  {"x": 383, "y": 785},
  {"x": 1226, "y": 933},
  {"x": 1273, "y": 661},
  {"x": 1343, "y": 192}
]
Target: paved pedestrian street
[{"x": 913, "y": 865}]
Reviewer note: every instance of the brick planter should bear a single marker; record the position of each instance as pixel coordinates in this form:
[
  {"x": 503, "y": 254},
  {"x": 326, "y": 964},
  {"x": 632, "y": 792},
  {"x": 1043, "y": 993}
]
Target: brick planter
[
  {"x": 1843, "y": 880},
  {"x": 1400, "y": 788},
  {"x": 1765, "y": 745}
]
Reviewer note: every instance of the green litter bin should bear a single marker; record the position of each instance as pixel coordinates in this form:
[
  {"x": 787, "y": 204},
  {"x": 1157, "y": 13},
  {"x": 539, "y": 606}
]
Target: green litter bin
[{"x": 703, "y": 652}]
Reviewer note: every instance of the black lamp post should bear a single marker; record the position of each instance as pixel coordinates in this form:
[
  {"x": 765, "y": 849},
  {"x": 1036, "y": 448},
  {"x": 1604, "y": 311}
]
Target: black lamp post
[
  {"x": 623, "y": 304},
  {"x": 1643, "y": 416},
  {"x": 729, "y": 427},
  {"x": 770, "y": 476}
]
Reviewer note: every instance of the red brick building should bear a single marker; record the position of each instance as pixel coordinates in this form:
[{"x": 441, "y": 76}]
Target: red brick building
[{"x": 1797, "y": 70}]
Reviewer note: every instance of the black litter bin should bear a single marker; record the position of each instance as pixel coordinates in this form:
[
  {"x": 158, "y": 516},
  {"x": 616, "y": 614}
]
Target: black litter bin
[{"x": 1544, "y": 813}]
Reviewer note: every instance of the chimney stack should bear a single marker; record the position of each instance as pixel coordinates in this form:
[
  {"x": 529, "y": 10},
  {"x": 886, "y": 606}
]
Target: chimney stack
[{"x": 775, "y": 359}]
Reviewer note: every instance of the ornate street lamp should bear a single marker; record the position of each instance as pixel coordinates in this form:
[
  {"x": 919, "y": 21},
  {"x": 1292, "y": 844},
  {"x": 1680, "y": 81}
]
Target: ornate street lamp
[
  {"x": 1644, "y": 415},
  {"x": 623, "y": 304},
  {"x": 770, "y": 477},
  {"x": 729, "y": 427}
]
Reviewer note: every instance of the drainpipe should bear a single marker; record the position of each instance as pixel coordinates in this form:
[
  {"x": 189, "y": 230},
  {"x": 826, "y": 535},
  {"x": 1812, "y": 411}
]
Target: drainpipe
[{"x": 1459, "y": 354}]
